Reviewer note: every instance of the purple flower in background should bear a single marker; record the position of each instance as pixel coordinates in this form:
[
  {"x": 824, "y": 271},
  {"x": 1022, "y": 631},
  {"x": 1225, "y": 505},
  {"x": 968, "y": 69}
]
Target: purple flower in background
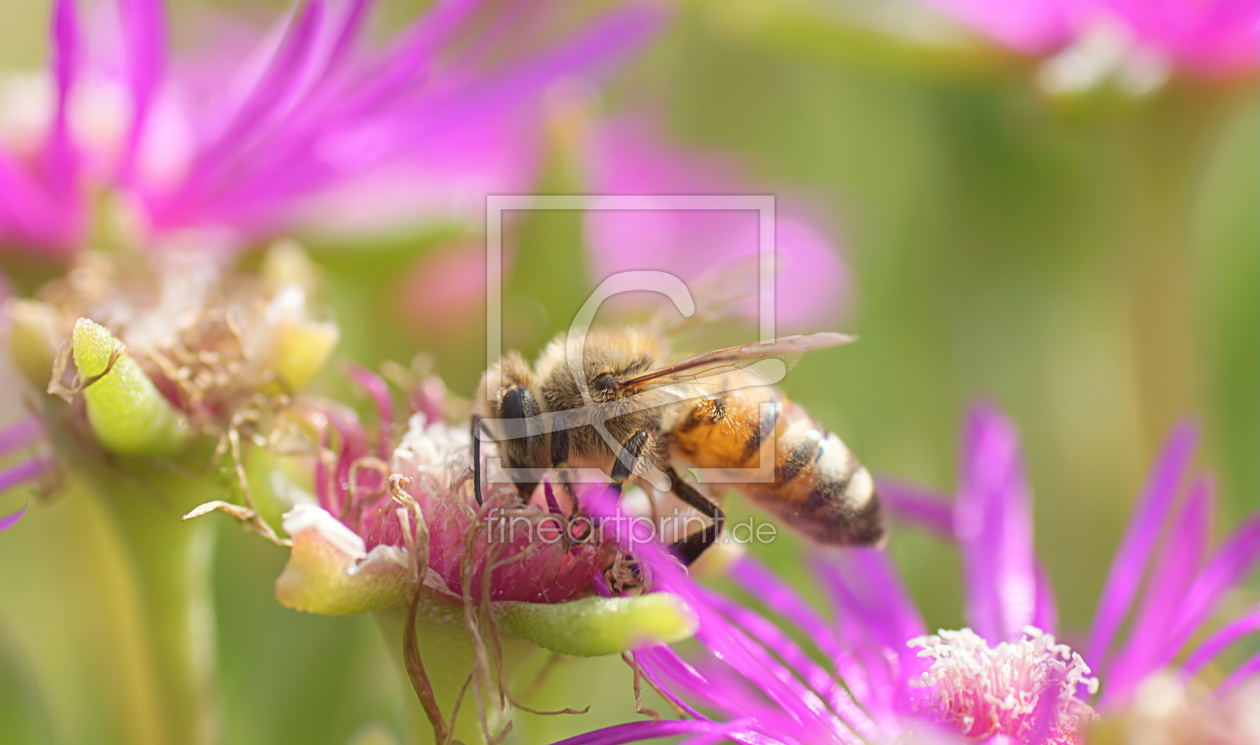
[
  {"x": 885, "y": 678},
  {"x": 1205, "y": 36},
  {"x": 628, "y": 159},
  {"x": 261, "y": 133}
]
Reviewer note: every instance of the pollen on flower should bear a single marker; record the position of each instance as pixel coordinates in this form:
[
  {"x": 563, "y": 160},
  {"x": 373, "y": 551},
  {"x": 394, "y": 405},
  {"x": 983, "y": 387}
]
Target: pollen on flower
[{"x": 981, "y": 691}]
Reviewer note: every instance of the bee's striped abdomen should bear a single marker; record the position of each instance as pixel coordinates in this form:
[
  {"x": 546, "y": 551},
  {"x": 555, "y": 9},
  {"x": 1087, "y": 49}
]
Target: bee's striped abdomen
[{"x": 812, "y": 481}]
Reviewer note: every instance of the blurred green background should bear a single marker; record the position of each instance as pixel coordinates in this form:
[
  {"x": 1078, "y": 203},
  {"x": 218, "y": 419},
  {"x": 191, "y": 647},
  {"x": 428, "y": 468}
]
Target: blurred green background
[{"x": 997, "y": 238}]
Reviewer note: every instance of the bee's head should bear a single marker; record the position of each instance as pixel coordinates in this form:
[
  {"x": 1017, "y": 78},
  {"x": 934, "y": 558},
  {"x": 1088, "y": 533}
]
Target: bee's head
[{"x": 613, "y": 357}]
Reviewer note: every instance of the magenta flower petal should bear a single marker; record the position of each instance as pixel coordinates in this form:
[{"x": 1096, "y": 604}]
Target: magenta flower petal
[
  {"x": 60, "y": 160},
  {"x": 40, "y": 208},
  {"x": 1231, "y": 563},
  {"x": 143, "y": 25},
  {"x": 641, "y": 731},
  {"x": 820, "y": 681},
  {"x": 30, "y": 219},
  {"x": 22, "y": 433},
  {"x": 9, "y": 521},
  {"x": 1220, "y": 641},
  {"x": 993, "y": 524},
  {"x": 917, "y": 506},
  {"x": 242, "y": 141},
  {"x": 379, "y": 391},
  {"x": 877, "y": 618},
  {"x": 1139, "y": 541},
  {"x": 24, "y": 471},
  {"x": 1176, "y": 564},
  {"x": 1047, "y": 615},
  {"x": 1208, "y": 36},
  {"x": 1245, "y": 675}
]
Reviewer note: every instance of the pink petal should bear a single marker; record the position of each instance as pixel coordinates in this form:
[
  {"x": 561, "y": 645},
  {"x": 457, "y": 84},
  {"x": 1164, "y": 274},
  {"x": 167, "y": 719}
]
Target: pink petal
[
  {"x": 59, "y": 158},
  {"x": 640, "y": 731},
  {"x": 21, "y": 434},
  {"x": 1129, "y": 565},
  {"x": 143, "y": 25},
  {"x": 1175, "y": 566},
  {"x": 1220, "y": 641},
  {"x": 9, "y": 521},
  {"x": 917, "y": 506},
  {"x": 993, "y": 524},
  {"x": 1229, "y": 566},
  {"x": 1207, "y": 36},
  {"x": 1243, "y": 676}
]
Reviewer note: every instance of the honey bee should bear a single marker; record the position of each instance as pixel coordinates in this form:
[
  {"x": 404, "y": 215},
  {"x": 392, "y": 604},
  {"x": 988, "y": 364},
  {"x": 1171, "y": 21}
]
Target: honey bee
[{"x": 603, "y": 400}]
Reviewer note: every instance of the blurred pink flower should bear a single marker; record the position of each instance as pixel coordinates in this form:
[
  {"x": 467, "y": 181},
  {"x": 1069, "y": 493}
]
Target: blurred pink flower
[
  {"x": 265, "y": 133},
  {"x": 812, "y": 286},
  {"x": 1205, "y": 36},
  {"x": 882, "y": 677},
  {"x": 1201, "y": 36}
]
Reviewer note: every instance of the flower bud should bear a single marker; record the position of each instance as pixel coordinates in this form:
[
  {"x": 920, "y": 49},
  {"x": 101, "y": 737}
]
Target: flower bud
[{"x": 126, "y": 411}]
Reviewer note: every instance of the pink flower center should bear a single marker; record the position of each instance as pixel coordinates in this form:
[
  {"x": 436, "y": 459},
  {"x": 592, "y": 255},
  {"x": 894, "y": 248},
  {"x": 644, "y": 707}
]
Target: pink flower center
[{"x": 1024, "y": 690}]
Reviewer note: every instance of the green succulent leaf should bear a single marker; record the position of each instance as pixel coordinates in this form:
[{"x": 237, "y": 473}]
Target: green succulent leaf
[
  {"x": 127, "y": 412},
  {"x": 596, "y": 626}
]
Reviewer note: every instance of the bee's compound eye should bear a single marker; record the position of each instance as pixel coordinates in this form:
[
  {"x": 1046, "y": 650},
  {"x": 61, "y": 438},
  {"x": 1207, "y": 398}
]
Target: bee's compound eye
[
  {"x": 512, "y": 405},
  {"x": 604, "y": 382}
]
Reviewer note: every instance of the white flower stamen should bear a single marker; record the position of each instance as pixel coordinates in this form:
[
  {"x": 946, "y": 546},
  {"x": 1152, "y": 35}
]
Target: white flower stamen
[{"x": 981, "y": 691}]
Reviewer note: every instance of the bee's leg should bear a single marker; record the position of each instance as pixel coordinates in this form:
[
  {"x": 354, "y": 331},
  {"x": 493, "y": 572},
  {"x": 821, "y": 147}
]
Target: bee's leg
[
  {"x": 560, "y": 461},
  {"x": 518, "y": 402},
  {"x": 476, "y": 457},
  {"x": 628, "y": 459},
  {"x": 690, "y": 548}
]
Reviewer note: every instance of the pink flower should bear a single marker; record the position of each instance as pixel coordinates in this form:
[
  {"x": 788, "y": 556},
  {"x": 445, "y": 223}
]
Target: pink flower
[
  {"x": 359, "y": 498},
  {"x": 1206, "y": 37},
  {"x": 394, "y": 499},
  {"x": 882, "y": 677},
  {"x": 264, "y": 134}
]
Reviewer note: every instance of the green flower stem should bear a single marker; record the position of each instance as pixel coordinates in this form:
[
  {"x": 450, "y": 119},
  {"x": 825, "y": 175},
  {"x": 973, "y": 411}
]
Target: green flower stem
[
  {"x": 170, "y": 561},
  {"x": 447, "y": 650}
]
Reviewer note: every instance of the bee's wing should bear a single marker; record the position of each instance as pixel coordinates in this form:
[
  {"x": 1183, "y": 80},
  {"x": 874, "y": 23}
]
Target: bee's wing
[
  {"x": 764, "y": 363},
  {"x": 720, "y": 295}
]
